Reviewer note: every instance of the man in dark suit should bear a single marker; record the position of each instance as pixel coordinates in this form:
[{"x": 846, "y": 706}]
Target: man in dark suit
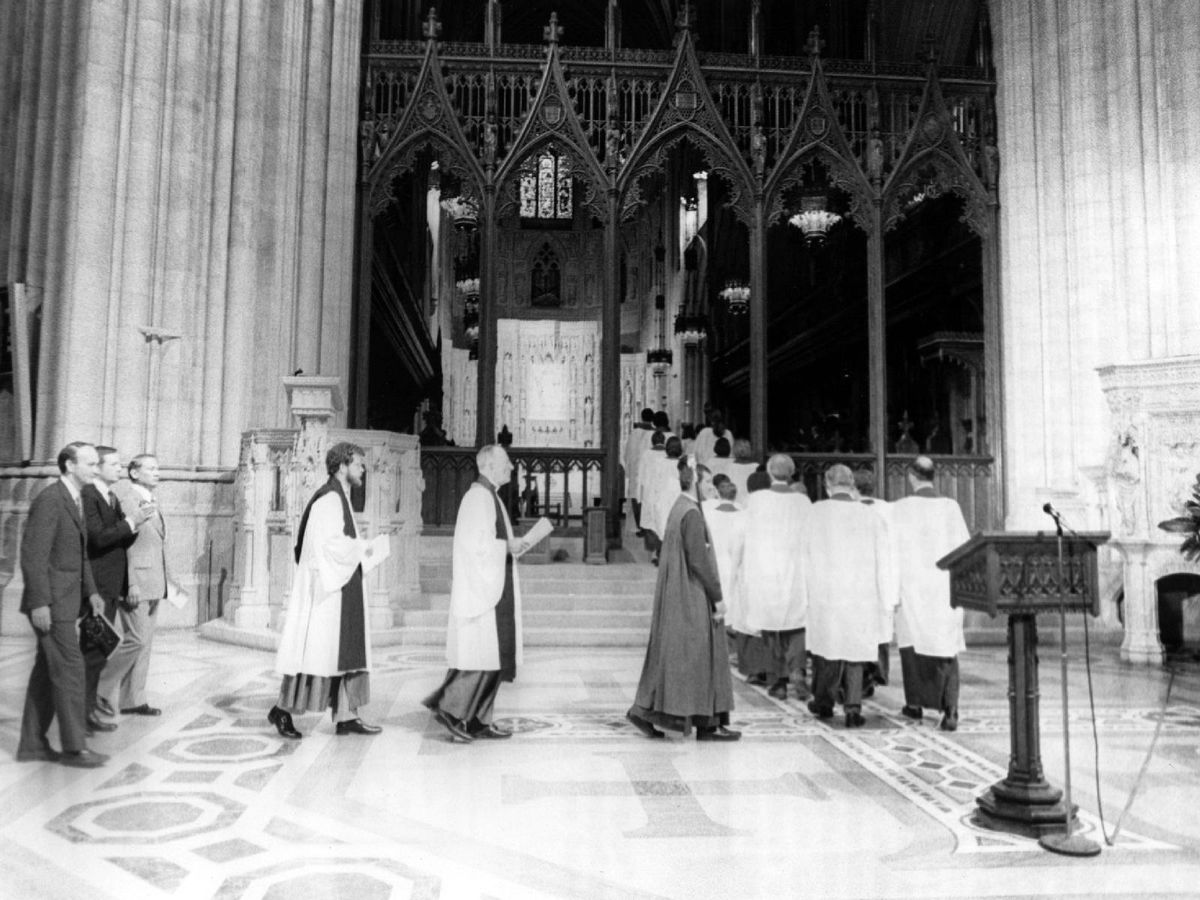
[
  {"x": 58, "y": 579},
  {"x": 110, "y": 533}
]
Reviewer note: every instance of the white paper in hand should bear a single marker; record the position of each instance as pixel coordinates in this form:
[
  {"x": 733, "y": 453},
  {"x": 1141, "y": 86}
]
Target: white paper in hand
[
  {"x": 176, "y": 595},
  {"x": 381, "y": 549},
  {"x": 540, "y": 530}
]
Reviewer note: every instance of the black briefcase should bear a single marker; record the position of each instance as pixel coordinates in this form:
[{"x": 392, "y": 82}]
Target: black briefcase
[{"x": 96, "y": 634}]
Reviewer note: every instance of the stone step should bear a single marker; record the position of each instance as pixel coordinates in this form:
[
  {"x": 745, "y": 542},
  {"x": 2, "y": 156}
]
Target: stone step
[
  {"x": 429, "y": 636},
  {"x": 558, "y": 587},
  {"x": 562, "y": 619},
  {"x": 613, "y": 603}
]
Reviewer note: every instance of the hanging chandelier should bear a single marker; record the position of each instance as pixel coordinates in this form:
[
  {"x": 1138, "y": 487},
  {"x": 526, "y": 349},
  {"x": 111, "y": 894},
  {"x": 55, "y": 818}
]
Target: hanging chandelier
[
  {"x": 468, "y": 287},
  {"x": 736, "y": 296},
  {"x": 814, "y": 220},
  {"x": 659, "y": 358},
  {"x": 463, "y": 212},
  {"x": 691, "y": 329}
]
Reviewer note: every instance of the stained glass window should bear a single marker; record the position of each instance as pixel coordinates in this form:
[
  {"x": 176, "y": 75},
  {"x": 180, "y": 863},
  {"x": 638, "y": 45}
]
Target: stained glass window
[{"x": 547, "y": 190}]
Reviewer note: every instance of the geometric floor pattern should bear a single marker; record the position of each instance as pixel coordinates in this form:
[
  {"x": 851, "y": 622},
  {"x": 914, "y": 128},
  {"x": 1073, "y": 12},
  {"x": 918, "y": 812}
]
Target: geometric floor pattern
[{"x": 208, "y": 802}]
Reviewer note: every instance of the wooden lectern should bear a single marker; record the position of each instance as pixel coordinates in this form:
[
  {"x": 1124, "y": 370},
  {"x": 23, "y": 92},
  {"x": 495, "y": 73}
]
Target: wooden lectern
[{"x": 1017, "y": 574}]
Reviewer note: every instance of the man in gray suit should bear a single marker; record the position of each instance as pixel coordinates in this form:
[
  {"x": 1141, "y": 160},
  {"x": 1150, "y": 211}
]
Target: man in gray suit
[
  {"x": 58, "y": 587},
  {"x": 148, "y": 580}
]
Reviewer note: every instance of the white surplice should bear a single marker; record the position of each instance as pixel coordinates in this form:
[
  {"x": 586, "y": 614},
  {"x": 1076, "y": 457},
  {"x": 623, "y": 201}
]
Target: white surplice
[
  {"x": 925, "y": 528},
  {"x": 846, "y": 561},
  {"x": 727, "y": 528},
  {"x": 312, "y": 622},
  {"x": 771, "y": 563}
]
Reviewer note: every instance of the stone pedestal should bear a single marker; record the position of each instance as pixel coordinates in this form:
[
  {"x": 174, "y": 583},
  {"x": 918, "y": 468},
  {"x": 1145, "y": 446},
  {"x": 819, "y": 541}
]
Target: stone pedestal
[{"x": 1153, "y": 462}]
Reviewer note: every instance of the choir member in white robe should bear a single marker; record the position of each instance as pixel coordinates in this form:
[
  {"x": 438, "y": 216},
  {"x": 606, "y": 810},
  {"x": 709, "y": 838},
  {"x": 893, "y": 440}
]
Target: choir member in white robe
[
  {"x": 929, "y": 631},
  {"x": 775, "y": 601},
  {"x": 635, "y": 446},
  {"x": 708, "y": 435},
  {"x": 727, "y": 530},
  {"x": 743, "y": 466},
  {"x": 846, "y": 565},
  {"x": 663, "y": 487},
  {"x": 879, "y": 671},
  {"x": 324, "y": 651},
  {"x": 483, "y": 638}
]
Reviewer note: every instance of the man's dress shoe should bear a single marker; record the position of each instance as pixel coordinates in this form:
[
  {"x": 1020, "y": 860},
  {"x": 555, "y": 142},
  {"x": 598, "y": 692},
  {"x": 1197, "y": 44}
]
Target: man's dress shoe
[
  {"x": 41, "y": 754},
  {"x": 950, "y": 720},
  {"x": 758, "y": 679},
  {"x": 104, "y": 707},
  {"x": 491, "y": 732},
  {"x": 720, "y": 733},
  {"x": 94, "y": 725},
  {"x": 643, "y": 726},
  {"x": 144, "y": 710},
  {"x": 83, "y": 759},
  {"x": 855, "y": 720},
  {"x": 912, "y": 712},
  {"x": 356, "y": 726},
  {"x": 821, "y": 712},
  {"x": 457, "y": 731},
  {"x": 282, "y": 720},
  {"x": 778, "y": 690}
]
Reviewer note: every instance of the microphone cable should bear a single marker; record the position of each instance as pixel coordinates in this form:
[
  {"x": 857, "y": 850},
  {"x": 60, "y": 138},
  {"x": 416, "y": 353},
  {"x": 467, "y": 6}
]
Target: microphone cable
[{"x": 1137, "y": 782}]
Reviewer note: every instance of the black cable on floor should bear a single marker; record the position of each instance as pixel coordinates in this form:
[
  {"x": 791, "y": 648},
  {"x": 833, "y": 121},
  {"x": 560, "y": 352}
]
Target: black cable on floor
[{"x": 1087, "y": 653}]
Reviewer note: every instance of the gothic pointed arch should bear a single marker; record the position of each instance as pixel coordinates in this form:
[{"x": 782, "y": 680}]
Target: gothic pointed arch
[
  {"x": 686, "y": 110},
  {"x": 552, "y": 125},
  {"x": 428, "y": 122},
  {"x": 933, "y": 162},
  {"x": 817, "y": 135}
]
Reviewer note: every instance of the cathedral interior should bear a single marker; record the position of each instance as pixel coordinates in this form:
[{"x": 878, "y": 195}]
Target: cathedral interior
[{"x": 858, "y": 230}]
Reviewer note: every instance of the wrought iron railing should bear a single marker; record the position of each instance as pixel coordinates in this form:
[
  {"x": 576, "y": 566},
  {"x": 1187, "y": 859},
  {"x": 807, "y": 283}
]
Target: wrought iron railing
[{"x": 559, "y": 483}]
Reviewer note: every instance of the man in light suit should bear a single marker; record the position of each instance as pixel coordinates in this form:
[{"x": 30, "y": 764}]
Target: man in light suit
[
  {"x": 129, "y": 664},
  {"x": 110, "y": 534},
  {"x": 58, "y": 582}
]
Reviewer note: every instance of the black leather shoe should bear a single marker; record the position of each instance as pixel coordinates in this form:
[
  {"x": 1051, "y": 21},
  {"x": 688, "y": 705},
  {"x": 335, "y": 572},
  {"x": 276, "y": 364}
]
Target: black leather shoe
[
  {"x": 356, "y": 726},
  {"x": 949, "y": 720},
  {"x": 104, "y": 707},
  {"x": 855, "y": 720},
  {"x": 758, "y": 680},
  {"x": 720, "y": 733},
  {"x": 821, "y": 712},
  {"x": 144, "y": 710},
  {"x": 83, "y": 759},
  {"x": 491, "y": 733},
  {"x": 44, "y": 754},
  {"x": 282, "y": 720},
  {"x": 457, "y": 731},
  {"x": 643, "y": 726},
  {"x": 94, "y": 724},
  {"x": 912, "y": 712},
  {"x": 778, "y": 690}
]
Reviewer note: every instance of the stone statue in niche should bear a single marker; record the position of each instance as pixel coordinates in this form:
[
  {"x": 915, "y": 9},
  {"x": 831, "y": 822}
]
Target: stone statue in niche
[
  {"x": 875, "y": 156},
  {"x": 1126, "y": 471}
]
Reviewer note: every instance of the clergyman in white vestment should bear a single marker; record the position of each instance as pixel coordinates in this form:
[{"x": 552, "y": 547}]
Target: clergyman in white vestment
[
  {"x": 929, "y": 631},
  {"x": 324, "y": 652}
]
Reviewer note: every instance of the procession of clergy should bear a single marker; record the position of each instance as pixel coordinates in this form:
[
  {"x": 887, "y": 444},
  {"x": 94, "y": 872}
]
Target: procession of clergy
[{"x": 743, "y": 554}]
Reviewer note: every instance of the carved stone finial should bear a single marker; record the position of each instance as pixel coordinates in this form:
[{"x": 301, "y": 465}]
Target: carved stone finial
[
  {"x": 432, "y": 27},
  {"x": 815, "y": 43},
  {"x": 552, "y": 32},
  {"x": 686, "y": 20}
]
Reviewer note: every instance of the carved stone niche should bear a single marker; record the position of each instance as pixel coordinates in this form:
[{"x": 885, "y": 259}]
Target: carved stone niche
[{"x": 1152, "y": 462}]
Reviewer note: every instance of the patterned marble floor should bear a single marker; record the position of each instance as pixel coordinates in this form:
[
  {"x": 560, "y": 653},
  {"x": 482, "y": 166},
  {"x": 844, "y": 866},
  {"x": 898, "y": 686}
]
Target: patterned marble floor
[{"x": 207, "y": 802}]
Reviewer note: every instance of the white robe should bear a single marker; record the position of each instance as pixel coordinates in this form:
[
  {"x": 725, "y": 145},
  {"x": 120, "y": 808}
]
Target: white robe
[
  {"x": 846, "y": 563},
  {"x": 477, "y": 584},
  {"x": 660, "y": 488},
  {"x": 926, "y": 528},
  {"x": 888, "y": 616},
  {"x": 772, "y": 576},
  {"x": 739, "y": 473},
  {"x": 313, "y": 620},
  {"x": 635, "y": 447},
  {"x": 727, "y": 528},
  {"x": 706, "y": 440}
]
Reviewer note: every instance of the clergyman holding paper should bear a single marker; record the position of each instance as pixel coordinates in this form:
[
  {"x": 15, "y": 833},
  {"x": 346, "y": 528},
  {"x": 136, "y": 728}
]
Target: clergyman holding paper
[
  {"x": 483, "y": 641},
  {"x": 325, "y": 650}
]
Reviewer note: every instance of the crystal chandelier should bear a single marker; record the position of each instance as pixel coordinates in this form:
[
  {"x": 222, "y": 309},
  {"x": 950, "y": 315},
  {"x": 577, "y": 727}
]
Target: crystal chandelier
[
  {"x": 468, "y": 287},
  {"x": 659, "y": 358},
  {"x": 464, "y": 213},
  {"x": 737, "y": 297},
  {"x": 814, "y": 220},
  {"x": 691, "y": 329}
]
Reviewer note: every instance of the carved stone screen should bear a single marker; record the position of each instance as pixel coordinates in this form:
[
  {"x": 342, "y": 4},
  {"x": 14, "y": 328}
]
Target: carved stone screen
[{"x": 548, "y": 382}]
